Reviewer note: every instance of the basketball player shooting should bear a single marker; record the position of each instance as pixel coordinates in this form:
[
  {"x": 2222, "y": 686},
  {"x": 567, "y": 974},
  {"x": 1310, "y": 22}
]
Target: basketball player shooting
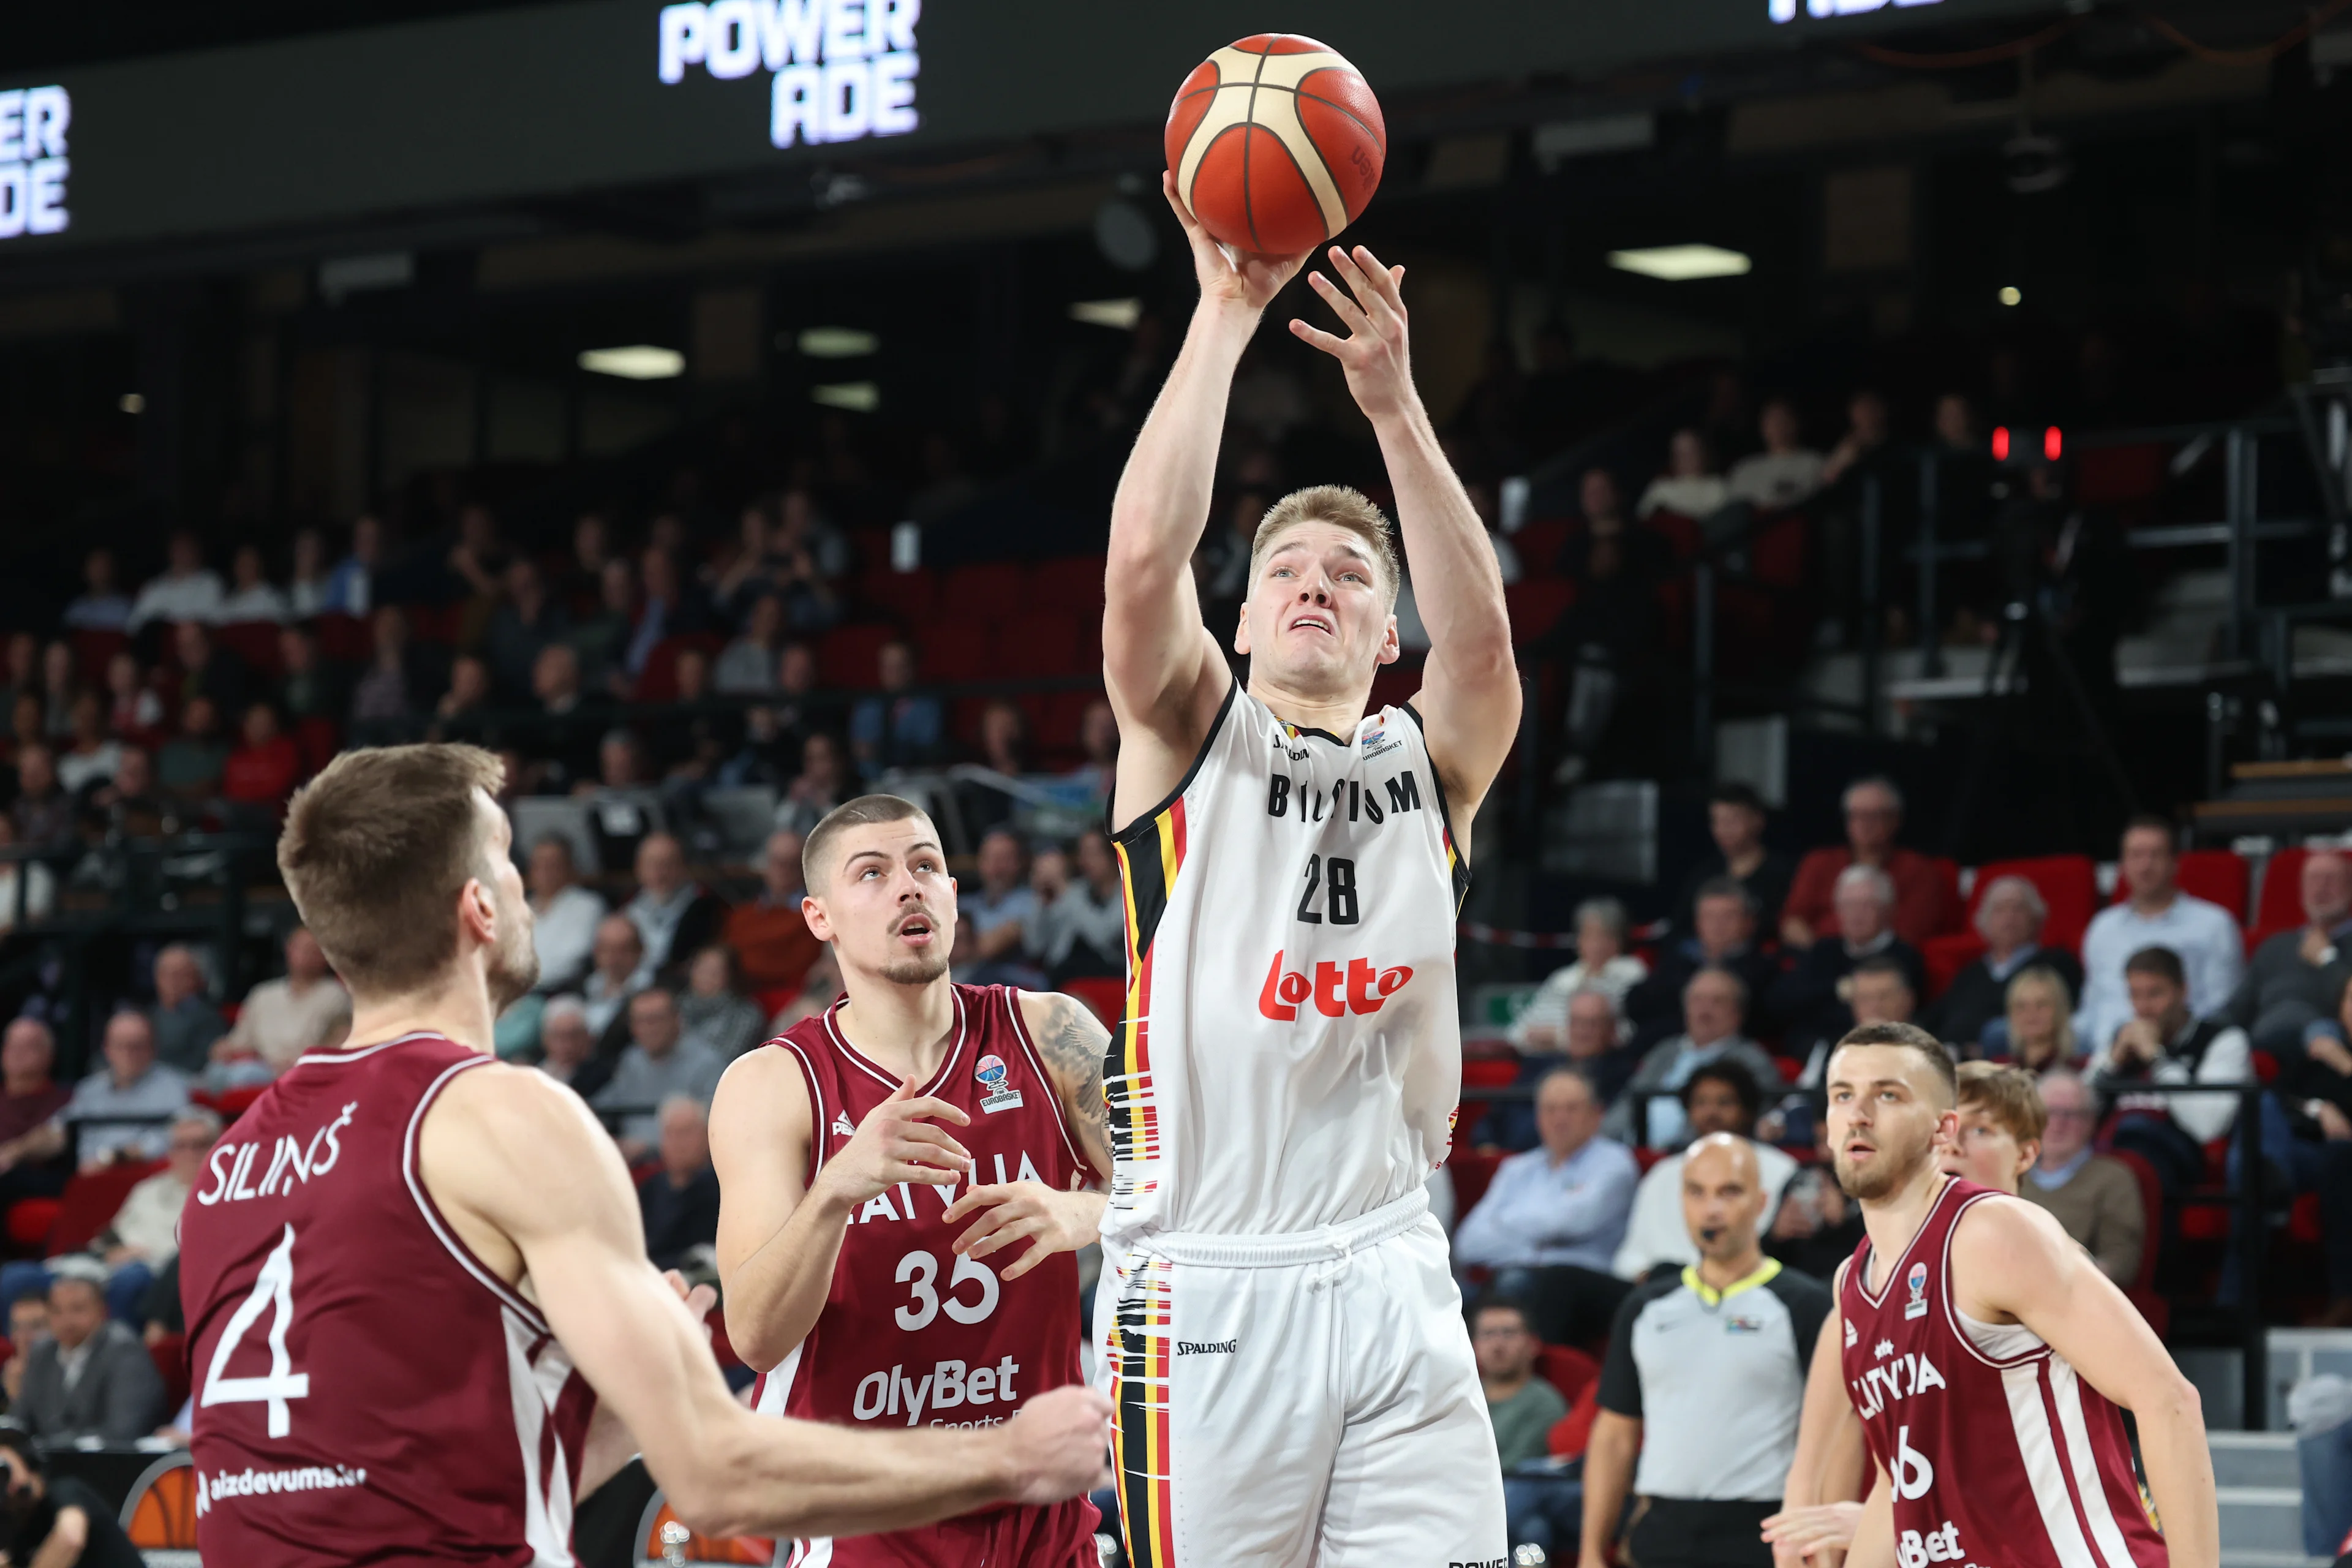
[
  {"x": 412, "y": 1272},
  {"x": 876, "y": 1293},
  {"x": 1285, "y": 1344},
  {"x": 1988, "y": 1355}
]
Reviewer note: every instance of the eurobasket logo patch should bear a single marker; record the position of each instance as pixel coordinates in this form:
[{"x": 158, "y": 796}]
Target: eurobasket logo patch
[
  {"x": 1918, "y": 1279},
  {"x": 991, "y": 1073},
  {"x": 33, "y": 166},
  {"x": 844, "y": 70}
]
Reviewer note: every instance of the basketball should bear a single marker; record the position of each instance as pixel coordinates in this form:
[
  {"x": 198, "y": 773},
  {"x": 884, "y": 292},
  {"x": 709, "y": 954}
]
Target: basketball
[{"x": 1277, "y": 144}]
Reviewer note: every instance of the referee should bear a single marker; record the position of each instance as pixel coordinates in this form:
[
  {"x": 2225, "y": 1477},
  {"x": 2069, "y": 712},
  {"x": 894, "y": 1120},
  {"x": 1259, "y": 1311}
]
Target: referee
[{"x": 1704, "y": 1383}]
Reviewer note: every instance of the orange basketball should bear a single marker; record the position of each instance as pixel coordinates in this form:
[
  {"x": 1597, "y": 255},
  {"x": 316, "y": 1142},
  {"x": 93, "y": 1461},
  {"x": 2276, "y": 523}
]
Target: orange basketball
[{"x": 1277, "y": 144}]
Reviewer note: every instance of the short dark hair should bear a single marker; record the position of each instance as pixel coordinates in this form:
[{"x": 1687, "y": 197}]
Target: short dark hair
[
  {"x": 2158, "y": 961},
  {"x": 2148, "y": 822},
  {"x": 1742, "y": 1082},
  {"x": 1501, "y": 1303},
  {"x": 1734, "y": 793},
  {"x": 1881, "y": 964},
  {"x": 1725, "y": 887},
  {"x": 863, "y": 812},
  {"x": 1910, "y": 1036}
]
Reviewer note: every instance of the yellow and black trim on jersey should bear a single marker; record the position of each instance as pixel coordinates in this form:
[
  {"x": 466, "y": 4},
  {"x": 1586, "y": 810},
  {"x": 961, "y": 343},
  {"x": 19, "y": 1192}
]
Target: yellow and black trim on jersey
[{"x": 1457, "y": 866}]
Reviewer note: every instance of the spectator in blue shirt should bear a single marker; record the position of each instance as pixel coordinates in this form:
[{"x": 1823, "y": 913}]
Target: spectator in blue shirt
[
  {"x": 133, "y": 1084},
  {"x": 993, "y": 919},
  {"x": 1564, "y": 1204},
  {"x": 895, "y": 729}
]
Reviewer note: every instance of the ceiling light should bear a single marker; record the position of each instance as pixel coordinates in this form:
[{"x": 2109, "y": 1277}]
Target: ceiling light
[
  {"x": 2011, "y": 297},
  {"x": 1681, "y": 263},
  {"x": 131, "y": 402},
  {"x": 637, "y": 362},
  {"x": 1120, "y": 313},
  {"x": 837, "y": 343},
  {"x": 858, "y": 397}
]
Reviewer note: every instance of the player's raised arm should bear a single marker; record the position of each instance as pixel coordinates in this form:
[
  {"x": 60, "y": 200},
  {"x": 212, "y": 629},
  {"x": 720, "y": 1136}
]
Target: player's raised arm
[
  {"x": 1470, "y": 688},
  {"x": 522, "y": 1171},
  {"x": 2020, "y": 1264},
  {"x": 1163, "y": 668}
]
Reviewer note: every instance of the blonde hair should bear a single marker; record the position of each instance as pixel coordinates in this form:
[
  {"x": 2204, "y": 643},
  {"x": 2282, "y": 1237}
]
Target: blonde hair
[
  {"x": 2052, "y": 985},
  {"x": 1342, "y": 508},
  {"x": 2008, "y": 1096}
]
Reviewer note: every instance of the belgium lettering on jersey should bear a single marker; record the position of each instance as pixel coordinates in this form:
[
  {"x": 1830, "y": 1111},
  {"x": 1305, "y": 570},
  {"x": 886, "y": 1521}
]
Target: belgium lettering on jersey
[{"x": 1352, "y": 798}]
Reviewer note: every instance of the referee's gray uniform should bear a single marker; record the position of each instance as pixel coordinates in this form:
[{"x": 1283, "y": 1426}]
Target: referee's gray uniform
[{"x": 1717, "y": 1381}]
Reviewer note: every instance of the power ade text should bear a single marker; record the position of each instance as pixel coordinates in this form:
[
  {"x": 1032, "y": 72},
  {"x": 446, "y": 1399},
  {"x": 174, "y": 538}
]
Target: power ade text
[
  {"x": 845, "y": 69},
  {"x": 33, "y": 167},
  {"x": 948, "y": 1386}
]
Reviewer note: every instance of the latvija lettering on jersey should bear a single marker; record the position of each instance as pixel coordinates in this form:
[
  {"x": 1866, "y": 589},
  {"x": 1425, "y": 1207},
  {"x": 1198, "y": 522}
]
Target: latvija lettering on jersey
[
  {"x": 1900, "y": 1378},
  {"x": 898, "y": 1202},
  {"x": 291, "y": 1161}
]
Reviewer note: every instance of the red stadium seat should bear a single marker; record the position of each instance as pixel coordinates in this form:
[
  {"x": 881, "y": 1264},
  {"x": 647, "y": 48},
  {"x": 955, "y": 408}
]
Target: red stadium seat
[
  {"x": 963, "y": 649},
  {"x": 256, "y": 642},
  {"x": 991, "y": 590},
  {"x": 93, "y": 650},
  {"x": 1573, "y": 1433},
  {"x": 170, "y": 1354},
  {"x": 1393, "y": 685},
  {"x": 1570, "y": 1371},
  {"x": 1778, "y": 555},
  {"x": 2069, "y": 885},
  {"x": 320, "y": 738},
  {"x": 30, "y": 1220},
  {"x": 2281, "y": 906},
  {"x": 1069, "y": 582},
  {"x": 846, "y": 657},
  {"x": 1048, "y": 643},
  {"x": 907, "y": 596},
  {"x": 2117, "y": 476},
  {"x": 1473, "y": 1170},
  {"x": 2217, "y": 875},
  {"x": 775, "y": 998},
  {"x": 344, "y": 638},
  {"x": 1488, "y": 1072},
  {"x": 2303, "y": 1220},
  {"x": 233, "y": 1104},
  {"x": 1539, "y": 543},
  {"x": 1680, "y": 532},
  {"x": 1106, "y": 995},
  {"x": 1946, "y": 956},
  {"x": 90, "y": 1202},
  {"x": 658, "y": 682},
  {"x": 1055, "y": 721},
  {"x": 1535, "y": 605}
]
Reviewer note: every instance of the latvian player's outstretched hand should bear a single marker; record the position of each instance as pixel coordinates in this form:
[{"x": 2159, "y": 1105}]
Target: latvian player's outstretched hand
[
  {"x": 897, "y": 1142},
  {"x": 1011, "y": 1212}
]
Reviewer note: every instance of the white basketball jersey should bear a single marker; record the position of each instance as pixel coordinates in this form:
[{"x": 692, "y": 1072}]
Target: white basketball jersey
[{"x": 1291, "y": 1056}]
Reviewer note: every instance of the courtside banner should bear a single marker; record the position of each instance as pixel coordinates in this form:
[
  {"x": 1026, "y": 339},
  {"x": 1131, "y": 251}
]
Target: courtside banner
[{"x": 542, "y": 101}]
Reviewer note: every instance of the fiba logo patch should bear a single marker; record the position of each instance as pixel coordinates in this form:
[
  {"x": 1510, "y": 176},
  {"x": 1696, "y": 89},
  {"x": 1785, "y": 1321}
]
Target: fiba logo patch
[
  {"x": 991, "y": 1073},
  {"x": 1918, "y": 1279}
]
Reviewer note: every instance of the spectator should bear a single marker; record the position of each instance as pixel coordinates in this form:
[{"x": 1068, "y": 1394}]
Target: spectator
[
  {"x": 1814, "y": 999},
  {"x": 2294, "y": 977},
  {"x": 2165, "y": 1042},
  {"x": 2038, "y": 1022},
  {"x": 254, "y": 596},
  {"x": 619, "y": 957},
  {"x": 1866, "y": 434},
  {"x": 132, "y": 1084},
  {"x": 602, "y": 637},
  {"x": 263, "y": 770},
  {"x": 1713, "y": 1001},
  {"x": 469, "y": 689},
  {"x": 308, "y": 687},
  {"x": 186, "y": 590},
  {"x": 525, "y": 624},
  {"x": 744, "y": 575},
  {"x": 747, "y": 666},
  {"x": 713, "y": 1008},
  {"x": 101, "y": 606},
  {"x": 387, "y": 693},
  {"x": 2093, "y": 1196},
  {"x": 1690, "y": 487},
  {"x": 1524, "y": 1408},
  {"x": 28, "y": 888},
  {"x": 56, "y": 1522},
  {"x": 1723, "y": 923},
  {"x": 1082, "y": 932},
  {"x": 1817, "y": 1225},
  {"x": 659, "y": 1062},
  {"x": 567, "y": 1047},
  {"x": 90, "y": 755},
  {"x": 206, "y": 668},
  {"x": 307, "y": 593},
  {"x": 191, "y": 764},
  {"x": 1601, "y": 964},
  {"x": 1604, "y": 639},
  {"x": 820, "y": 785},
  {"x": 2203, "y": 936},
  {"x": 679, "y": 1202},
  {"x": 1709, "y": 1469},
  {"x": 29, "y": 1325},
  {"x": 1098, "y": 743},
  {"x": 805, "y": 554},
  {"x": 675, "y": 916},
  {"x": 2307, "y": 1129},
  {"x": 1596, "y": 1039},
  {"x": 1562, "y": 1205},
  {"x": 1971, "y": 1011},
  {"x": 2001, "y": 1122},
  {"x": 671, "y": 607},
  {"x": 284, "y": 1017},
  {"x": 1787, "y": 473},
  {"x": 821, "y": 991},
  {"x": 144, "y": 1234},
  {"x": 564, "y": 915},
  {"x": 895, "y": 729},
  {"x": 567, "y": 733},
  {"x": 1735, "y": 819},
  {"x": 44, "y": 811},
  {"x": 993, "y": 919},
  {"x": 131, "y": 806},
  {"x": 351, "y": 587},
  {"x": 59, "y": 680},
  {"x": 185, "y": 1022},
  {"x": 769, "y": 934},
  {"x": 1924, "y": 905},
  {"x": 91, "y": 1378},
  {"x": 134, "y": 712},
  {"x": 30, "y": 1099},
  {"x": 1720, "y": 1097},
  {"x": 1003, "y": 750}
]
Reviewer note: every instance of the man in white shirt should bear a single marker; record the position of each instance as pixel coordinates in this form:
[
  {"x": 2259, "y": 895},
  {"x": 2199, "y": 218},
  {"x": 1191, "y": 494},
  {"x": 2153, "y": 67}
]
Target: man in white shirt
[
  {"x": 284, "y": 1017},
  {"x": 188, "y": 591},
  {"x": 2204, "y": 935},
  {"x": 1786, "y": 473},
  {"x": 564, "y": 915},
  {"x": 2166, "y": 1042},
  {"x": 1720, "y": 1097}
]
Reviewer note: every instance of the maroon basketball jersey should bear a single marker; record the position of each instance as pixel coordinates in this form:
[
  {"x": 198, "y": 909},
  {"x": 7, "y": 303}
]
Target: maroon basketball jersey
[
  {"x": 913, "y": 1335},
  {"x": 1997, "y": 1452},
  {"x": 366, "y": 1391}
]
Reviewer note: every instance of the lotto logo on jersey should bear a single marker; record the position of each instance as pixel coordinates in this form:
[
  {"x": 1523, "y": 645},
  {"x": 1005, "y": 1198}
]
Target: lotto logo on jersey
[
  {"x": 1336, "y": 991},
  {"x": 1917, "y": 1548}
]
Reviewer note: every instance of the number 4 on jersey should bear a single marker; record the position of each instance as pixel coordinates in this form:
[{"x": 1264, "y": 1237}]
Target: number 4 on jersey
[{"x": 273, "y": 1288}]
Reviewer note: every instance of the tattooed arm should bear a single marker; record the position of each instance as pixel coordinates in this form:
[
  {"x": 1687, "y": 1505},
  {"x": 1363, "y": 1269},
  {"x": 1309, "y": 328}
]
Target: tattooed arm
[{"x": 1071, "y": 1042}]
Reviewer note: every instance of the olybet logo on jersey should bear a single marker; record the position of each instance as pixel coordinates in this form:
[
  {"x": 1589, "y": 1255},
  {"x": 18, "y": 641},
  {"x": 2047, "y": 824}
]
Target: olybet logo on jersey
[{"x": 1917, "y": 1550}]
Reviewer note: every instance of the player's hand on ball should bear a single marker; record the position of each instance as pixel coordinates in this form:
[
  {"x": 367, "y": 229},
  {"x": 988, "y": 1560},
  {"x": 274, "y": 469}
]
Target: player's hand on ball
[
  {"x": 1801, "y": 1531},
  {"x": 1060, "y": 1443},
  {"x": 1012, "y": 1212},
  {"x": 1376, "y": 353},
  {"x": 896, "y": 1143},
  {"x": 1245, "y": 278}
]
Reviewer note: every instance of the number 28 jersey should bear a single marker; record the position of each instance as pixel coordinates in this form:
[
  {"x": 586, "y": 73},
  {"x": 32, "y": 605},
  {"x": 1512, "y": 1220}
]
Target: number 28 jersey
[
  {"x": 1290, "y": 1056},
  {"x": 366, "y": 1390}
]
